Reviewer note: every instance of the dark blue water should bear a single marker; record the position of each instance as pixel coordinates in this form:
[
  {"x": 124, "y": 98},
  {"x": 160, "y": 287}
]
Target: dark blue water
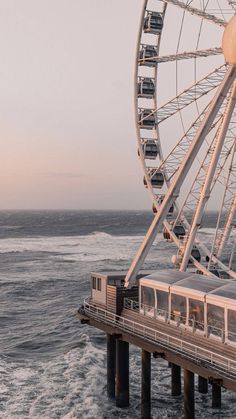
[{"x": 50, "y": 365}]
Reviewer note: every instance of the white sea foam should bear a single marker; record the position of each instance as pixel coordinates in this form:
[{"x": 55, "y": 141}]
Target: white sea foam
[
  {"x": 72, "y": 386},
  {"x": 22, "y": 374},
  {"x": 93, "y": 247},
  {"x": 3, "y": 389},
  {"x": 70, "y": 415},
  {"x": 207, "y": 230},
  {"x": 97, "y": 246}
]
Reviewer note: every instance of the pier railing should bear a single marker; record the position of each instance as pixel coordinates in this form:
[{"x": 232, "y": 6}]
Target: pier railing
[{"x": 196, "y": 353}]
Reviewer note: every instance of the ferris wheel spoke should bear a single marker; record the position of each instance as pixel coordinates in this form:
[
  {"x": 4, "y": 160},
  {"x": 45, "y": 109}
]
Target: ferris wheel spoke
[
  {"x": 228, "y": 209},
  {"x": 216, "y": 262},
  {"x": 204, "y": 250},
  {"x": 205, "y": 192},
  {"x": 229, "y": 225},
  {"x": 184, "y": 55},
  {"x": 184, "y": 168},
  {"x": 185, "y": 98},
  {"x": 171, "y": 163},
  {"x": 229, "y": 182},
  {"x": 189, "y": 205},
  {"x": 219, "y": 176},
  {"x": 197, "y": 12},
  {"x": 232, "y": 3},
  {"x": 190, "y": 95}
]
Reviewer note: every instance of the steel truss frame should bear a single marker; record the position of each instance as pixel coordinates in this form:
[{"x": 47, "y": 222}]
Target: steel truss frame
[{"x": 177, "y": 164}]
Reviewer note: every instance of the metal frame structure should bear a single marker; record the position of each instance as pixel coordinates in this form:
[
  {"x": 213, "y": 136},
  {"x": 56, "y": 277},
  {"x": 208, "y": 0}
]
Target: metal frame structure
[{"x": 213, "y": 96}]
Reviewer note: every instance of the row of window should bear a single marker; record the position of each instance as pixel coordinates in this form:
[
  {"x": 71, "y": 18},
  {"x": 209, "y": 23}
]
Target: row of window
[
  {"x": 96, "y": 283},
  {"x": 178, "y": 311}
]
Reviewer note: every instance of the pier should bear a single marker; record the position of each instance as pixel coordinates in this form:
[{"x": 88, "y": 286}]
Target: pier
[{"x": 125, "y": 322}]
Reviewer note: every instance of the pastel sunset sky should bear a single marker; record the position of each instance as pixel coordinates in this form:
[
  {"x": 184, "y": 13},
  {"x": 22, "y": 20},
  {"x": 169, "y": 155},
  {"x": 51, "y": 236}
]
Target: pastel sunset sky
[{"x": 66, "y": 105}]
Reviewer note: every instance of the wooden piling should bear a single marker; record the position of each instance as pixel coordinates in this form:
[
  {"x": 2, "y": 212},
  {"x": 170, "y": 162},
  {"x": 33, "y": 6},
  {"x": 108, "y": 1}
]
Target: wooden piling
[
  {"x": 146, "y": 385},
  {"x": 122, "y": 373},
  {"x": 216, "y": 394},
  {"x": 202, "y": 385},
  {"x": 175, "y": 380},
  {"x": 111, "y": 365},
  {"x": 189, "y": 411}
]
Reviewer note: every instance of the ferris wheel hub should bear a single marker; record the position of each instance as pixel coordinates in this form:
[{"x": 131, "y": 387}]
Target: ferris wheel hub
[{"x": 229, "y": 42}]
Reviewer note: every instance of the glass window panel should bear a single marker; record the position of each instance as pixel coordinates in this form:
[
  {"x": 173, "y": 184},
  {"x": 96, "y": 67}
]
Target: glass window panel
[
  {"x": 148, "y": 300},
  {"x": 196, "y": 313},
  {"x": 147, "y": 296},
  {"x": 232, "y": 325},
  {"x": 215, "y": 319},
  {"x": 99, "y": 284},
  {"x": 162, "y": 302},
  {"x": 93, "y": 282},
  {"x": 178, "y": 308}
]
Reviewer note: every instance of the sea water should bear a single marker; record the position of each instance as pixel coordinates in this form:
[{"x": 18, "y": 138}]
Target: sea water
[{"x": 51, "y": 366}]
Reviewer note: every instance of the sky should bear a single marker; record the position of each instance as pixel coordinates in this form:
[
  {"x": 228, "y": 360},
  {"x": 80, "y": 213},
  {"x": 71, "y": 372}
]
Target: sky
[{"x": 66, "y": 105}]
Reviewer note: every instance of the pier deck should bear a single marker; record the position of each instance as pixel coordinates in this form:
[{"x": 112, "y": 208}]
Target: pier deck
[{"x": 208, "y": 358}]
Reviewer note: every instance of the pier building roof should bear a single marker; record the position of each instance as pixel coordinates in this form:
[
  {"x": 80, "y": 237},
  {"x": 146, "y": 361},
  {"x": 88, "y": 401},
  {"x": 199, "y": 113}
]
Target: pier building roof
[{"x": 188, "y": 283}]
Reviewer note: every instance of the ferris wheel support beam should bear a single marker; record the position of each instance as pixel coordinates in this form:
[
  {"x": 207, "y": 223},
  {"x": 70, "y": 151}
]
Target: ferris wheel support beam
[
  {"x": 227, "y": 206},
  {"x": 183, "y": 55},
  {"x": 197, "y": 12},
  {"x": 228, "y": 227},
  {"x": 232, "y": 3},
  {"x": 205, "y": 192},
  {"x": 188, "y": 96},
  {"x": 174, "y": 188}
]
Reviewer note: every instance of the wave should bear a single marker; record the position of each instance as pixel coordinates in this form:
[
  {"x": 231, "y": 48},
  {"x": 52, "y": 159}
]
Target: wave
[
  {"x": 10, "y": 227},
  {"x": 100, "y": 234},
  {"x": 98, "y": 246},
  {"x": 207, "y": 230}
]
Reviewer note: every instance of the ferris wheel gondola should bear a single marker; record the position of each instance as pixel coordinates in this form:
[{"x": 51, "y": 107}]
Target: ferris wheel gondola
[{"x": 194, "y": 93}]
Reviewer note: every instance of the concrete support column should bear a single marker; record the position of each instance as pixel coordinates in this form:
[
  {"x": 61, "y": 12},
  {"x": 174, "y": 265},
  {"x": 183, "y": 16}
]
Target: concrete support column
[
  {"x": 189, "y": 411},
  {"x": 111, "y": 365},
  {"x": 146, "y": 385},
  {"x": 202, "y": 385},
  {"x": 216, "y": 395},
  {"x": 122, "y": 373},
  {"x": 175, "y": 380}
]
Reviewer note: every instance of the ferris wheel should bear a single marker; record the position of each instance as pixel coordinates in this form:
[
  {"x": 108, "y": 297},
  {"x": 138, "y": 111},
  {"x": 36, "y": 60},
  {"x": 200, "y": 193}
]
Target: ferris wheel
[{"x": 185, "y": 94}]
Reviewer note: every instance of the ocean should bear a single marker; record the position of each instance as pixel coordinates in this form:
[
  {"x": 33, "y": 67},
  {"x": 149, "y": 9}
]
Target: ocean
[{"x": 51, "y": 366}]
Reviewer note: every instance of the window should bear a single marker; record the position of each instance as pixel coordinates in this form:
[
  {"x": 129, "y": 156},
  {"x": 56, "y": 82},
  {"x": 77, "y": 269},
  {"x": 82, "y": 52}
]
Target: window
[
  {"x": 96, "y": 283},
  {"x": 215, "y": 319},
  {"x": 232, "y": 325},
  {"x": 178, "y": 308},
  {"x": 147, "y": 296},
  {"x": 162, "y": 302},
  {"x": 93, "y": 282},
  {"x": 196, "y": 313},
  {"x": 148, "y": 300},
  {"x": 99, "y": 284}
]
